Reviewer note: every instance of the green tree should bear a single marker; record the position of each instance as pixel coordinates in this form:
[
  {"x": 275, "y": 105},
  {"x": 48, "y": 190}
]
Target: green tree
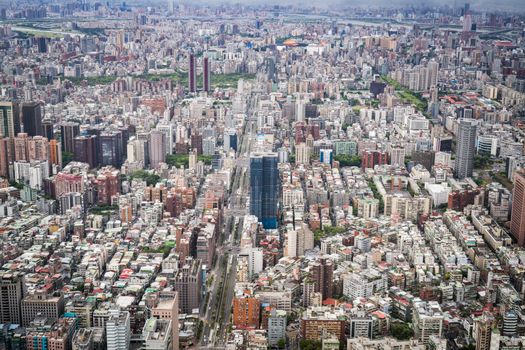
[
  {"x": 328, "y": 231},
  {"x": 16, "y": 184},
  {"x": 291, "y": 317},
  {"x": 482, "y": 161},
  {"x": 377, "y": 195},
  {"x": 205, "y": 159},
  {"x": 165, "y": 249},
  {"x": 177, "y": 160},
  {"x": 347, "y": 160},
  {"x": 67, "y": 157},
  {"x": 401, "y": 331},
  {"x": 103, "y": 209},
  {"x": 281, "y": 344},
  {"x": 353, "y": 102},
  {"x": 306, "y": 344},
  {"x": 150, "y": 178}
]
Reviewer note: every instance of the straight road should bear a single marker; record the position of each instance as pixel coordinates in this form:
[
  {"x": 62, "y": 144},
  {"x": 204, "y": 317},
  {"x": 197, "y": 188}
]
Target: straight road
[{"x": 216, "y": 313}]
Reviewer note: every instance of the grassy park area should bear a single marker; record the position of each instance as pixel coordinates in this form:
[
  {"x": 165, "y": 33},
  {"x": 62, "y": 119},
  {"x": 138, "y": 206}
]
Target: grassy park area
[{"x": 217, "y": 80}]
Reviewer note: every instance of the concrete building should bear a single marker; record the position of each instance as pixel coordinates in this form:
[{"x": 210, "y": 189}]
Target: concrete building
[
  {"x": 361, "y": 325},
  {"x": 188, "y": 284},
  {"x": 86, "y": 150},
  {"x": 11, "y": 293},
  {"x": 58, "y": 336},
  {"x": 302, "y": 154},
  {"x": 42, "y": 303},
  {"x": 168, "y": 129},
  {"x": 367, "y": 207},
  {"x": 321, "y": 321},
  {"x": 397, "y": 156},
  {"x": 157, "y": 334},
  {"x": 427, "y": 320},
  {"x": 168, "y": 309},
  {"x": 372, "y": 158},
  {"x": 322, "y": 275},
  {"x": 192, "y": 73},
  {"x": 83, "y": 339},
  {"x": 107, "y": 185},
  {"x": 384, "y": 344},
  {"x": 118, "y": 330},
  {"x": 276, "y": 327},
  {"x": 192, "y": 158},
  {"x": 246, "y": 311},
  {"x": 31, "y": 115},
  {"x": 482, "y": 331},
  {"x": 517, "y": 217},
  {"x": 206, "y": 74},
  {"x": 157, "y": 148},
  {"x": 138, "y": 151},
  {"x": 299, "y": 241},
  {"x": 277, "y": 300},
  {"x": 364, "y": 284},
  {"x": 68, "y": 132},
  {"x": 9, "y": 119}
]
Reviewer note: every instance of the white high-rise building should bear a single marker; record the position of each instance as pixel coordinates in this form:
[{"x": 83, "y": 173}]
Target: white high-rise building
[
  {"x": 229, "y": 139},
  {"x": 38, "y": 172},
  {"x": 368, "y": 207},
  {"x": 467, "y": 23},
  {"x": 427, "y": 320},
  {"x": 433, "y": 69},
  {"x": 181, "y": 133},
  {"x": 167, "y": 128},
  {"x": 21, "y": 171},
  {"x": 118, "y": 330},
  {"x": 291, "y": 243},
  {"x": 364, "y": 284},
  {"x": 299, "y": 241},
  {"x": 276, "y": 327},
  {"x": 192, "y": 157},
  {"x": 136, "y": 151},
  {"x": 442, "y": 158},
  {"x": 208, "y": 146},
  {"x": 255, "y": 261},
  {"x": 157, "y": 148},
  {"x": 300, "y": 110},
  {"x": 171, "y": 6},
  {"x": 157, "y": 334},
  {"x": 32, "y": 173}
]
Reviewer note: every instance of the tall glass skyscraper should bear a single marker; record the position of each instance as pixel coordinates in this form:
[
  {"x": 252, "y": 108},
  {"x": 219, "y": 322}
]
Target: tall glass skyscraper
[
  {"x": 264, "y": 188},
  {"x": 466, "y": 148}
]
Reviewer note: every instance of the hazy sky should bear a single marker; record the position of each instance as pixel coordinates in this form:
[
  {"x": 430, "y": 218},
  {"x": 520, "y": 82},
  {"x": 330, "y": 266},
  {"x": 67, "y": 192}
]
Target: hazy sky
[{"x": 478, "y": 5}]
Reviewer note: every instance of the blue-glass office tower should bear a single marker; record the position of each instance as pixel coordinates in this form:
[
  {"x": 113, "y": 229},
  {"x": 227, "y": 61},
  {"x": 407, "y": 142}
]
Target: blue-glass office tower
[{"x": 264, "y": 188}]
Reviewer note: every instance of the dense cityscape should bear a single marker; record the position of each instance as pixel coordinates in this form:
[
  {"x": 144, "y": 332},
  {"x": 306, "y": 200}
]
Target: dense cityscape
[{"x": 180, "y": 175}]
